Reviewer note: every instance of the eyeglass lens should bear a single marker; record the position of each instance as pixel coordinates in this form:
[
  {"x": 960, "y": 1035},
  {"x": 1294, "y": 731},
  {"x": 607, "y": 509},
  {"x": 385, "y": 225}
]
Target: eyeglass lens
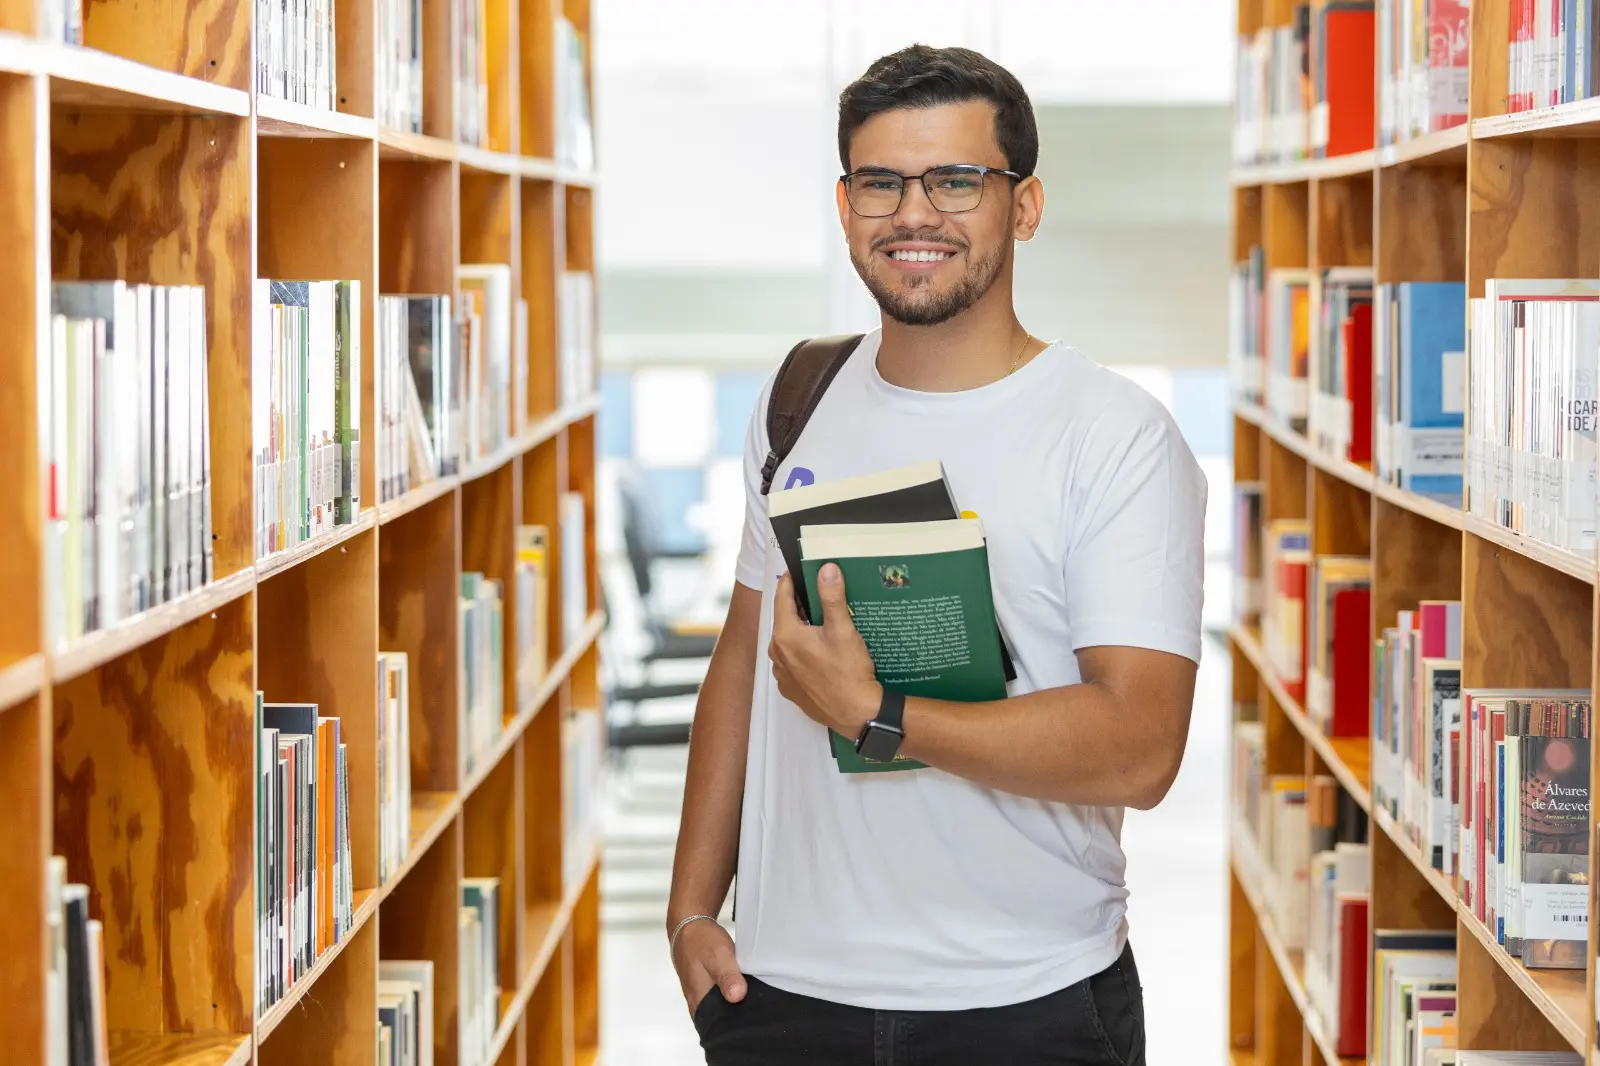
[{"x": 951, "y": 189}]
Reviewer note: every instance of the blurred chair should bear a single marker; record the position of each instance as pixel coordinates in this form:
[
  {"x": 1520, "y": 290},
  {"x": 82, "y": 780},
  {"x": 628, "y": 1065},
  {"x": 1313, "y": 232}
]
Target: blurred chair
[{"x": 669, "y": 638}]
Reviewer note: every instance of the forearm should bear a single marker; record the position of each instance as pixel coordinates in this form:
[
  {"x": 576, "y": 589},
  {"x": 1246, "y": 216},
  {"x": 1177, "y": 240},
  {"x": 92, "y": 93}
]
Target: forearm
[
  {"x": 708, "y": 834},
  {"x": 1075, "y": 744}
]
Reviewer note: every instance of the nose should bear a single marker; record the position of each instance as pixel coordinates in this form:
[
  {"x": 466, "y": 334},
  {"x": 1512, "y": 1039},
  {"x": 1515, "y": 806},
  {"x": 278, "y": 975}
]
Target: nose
[{"x": 916, "y": 211}]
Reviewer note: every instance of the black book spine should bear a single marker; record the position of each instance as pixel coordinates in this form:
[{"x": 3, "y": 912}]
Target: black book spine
[{"x": 80, "y": 1009}]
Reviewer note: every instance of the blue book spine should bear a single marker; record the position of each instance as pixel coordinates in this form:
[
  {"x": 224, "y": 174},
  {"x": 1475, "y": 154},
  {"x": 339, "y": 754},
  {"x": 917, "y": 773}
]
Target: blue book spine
[{"x": 1432, "y": 376}]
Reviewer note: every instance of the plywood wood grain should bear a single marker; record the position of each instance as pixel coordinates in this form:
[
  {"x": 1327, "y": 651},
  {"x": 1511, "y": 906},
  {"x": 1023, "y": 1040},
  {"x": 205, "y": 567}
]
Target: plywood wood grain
[
  {"x": 488, "y": 516},
  {"x": 419, "y": 921},
  {"x": 501, "y": 29},
  {"x": 130, "y": 1048},
  {"x": 1343, "y": 221},
  {"x": 1421, "y": 224},
  {"x": 586, "y": 966},
  {"x": 206, "y": 39},
  {"x": 1242, "y": 934},
  {"x": 1413, "y": 559},
  {"x": 1246, "y": 221},
  {"x": 417, "y": 243},
  {"x": 154, "y": 812},
  {"x": 1408, "y": 900},
  {"x": 541, "y": 753},
  {"x": 542, "y": 234},
  {"x": 1535, "y": 212},
  {"x": 546, "y": 1031},
  {"x": 489, "y": 849},
  {"x": 355, "y": 37},
  {"x": 1490, "y": 27},
  {"x": 541, "y": 474},
  {"x": 486, "y": 217},
  {"x": 1286, "y": 483},
  {"x": 337, "y": 1021},
  {"x": 1494, "y": 1013},
  {"x": 419, "y": 584},
  {"x": 166, "y": 200},
  {"x": 1523, "y": 623},
  {"x": 1341, "y": 517},
  {"x": 580, "y": 474},
  {"x": 536, "y": 77},
  {"x": 1285, "y": 228},
  {"x": 580, "y": 229},
  {"x": 317, "y": 642},
  {"x": 24, "y": 841}
]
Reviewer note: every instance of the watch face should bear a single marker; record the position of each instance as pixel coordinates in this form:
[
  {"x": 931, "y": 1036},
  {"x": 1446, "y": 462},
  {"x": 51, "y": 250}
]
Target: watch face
[{"x": 879, "y": 744}]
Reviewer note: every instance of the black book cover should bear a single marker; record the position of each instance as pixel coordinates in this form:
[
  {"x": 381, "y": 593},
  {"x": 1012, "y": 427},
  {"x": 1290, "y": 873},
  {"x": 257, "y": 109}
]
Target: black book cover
[{"x": 80, "y": 1007}]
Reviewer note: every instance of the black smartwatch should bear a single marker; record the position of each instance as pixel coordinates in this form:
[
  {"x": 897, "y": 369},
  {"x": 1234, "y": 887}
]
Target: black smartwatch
[{"x": 880, "y": 738}]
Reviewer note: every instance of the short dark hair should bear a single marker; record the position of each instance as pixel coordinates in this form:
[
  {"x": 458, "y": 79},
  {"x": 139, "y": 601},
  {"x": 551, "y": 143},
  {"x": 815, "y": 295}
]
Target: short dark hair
[{"x": 924, "y": 76}]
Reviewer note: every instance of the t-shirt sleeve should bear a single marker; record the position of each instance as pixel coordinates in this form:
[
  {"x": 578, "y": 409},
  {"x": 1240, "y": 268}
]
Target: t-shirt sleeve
[
  {"x": 751, "y": 567},
  {"x": 1135, "y": 560}
]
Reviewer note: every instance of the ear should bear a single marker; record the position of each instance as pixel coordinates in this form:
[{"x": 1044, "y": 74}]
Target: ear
[
  {"x": 1029, "y": 210},
  {"x": 843, "y": 202}
]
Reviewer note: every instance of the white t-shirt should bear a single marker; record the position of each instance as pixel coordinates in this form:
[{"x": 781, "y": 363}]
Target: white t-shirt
[{"x": 918, "y": 890}]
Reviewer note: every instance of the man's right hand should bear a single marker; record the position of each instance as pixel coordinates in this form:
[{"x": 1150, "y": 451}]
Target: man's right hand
[{"x": 704, "y": 957}]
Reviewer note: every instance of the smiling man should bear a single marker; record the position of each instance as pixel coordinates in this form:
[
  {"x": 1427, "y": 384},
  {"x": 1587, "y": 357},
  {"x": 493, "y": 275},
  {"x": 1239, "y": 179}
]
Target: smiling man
[{"x": 971, "y": 911}]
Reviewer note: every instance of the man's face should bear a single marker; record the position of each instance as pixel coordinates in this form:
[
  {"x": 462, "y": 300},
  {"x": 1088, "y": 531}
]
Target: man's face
[{"x": 924, "y": 266}]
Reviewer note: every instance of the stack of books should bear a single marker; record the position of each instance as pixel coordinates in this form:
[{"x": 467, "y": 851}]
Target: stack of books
[
  {"x": 1249, "y": 584},
  {"x": 399, "y": 94},
  {"x": 1422, "y": 68},
  {"x": 1288, "y": 348},
  {"x": 582, "y": 754},
  {"x": 1414, "y": 1001},
  {"x": 305, "y": 410},
  {"x": 496, "y": 384},
  {"x": 394, "y": 762},
  {"x": 1271, "y": 93},
  {"x": 405, "y": 1012},
  {"x": 1524, "y": 850},
  {"x": 1339, "y": 644},
  {"x": 1552, "y": 53},
  {"x": 296, "y": 57},
  {"x": 1249, "y": 776},
  {"x": 421, "y": 391},
  {"x": 1340, "y": 420},
  {"x": 482, "y": 679},
  {"x": 577, "y": 354},
  {"x": 1419, "y": 345},
  {"x": 472, "y": 73},
  {"x": 480, "y": 968},
  {"x": 1286, "y": 569},
  {"x": 75, "y": 983},
  {"x": 1245, "y": 320},
  {"x": 125, "y": 425},
  {"x": 574, "y": 120},
  {"x": 1534, "y": 358},
  {"x": 573, "y": 516},
  {"x": 304, "y": 888},
  {"x": 1339, "y": 894},
  {"x": 1416, "y": 726},
  {"x": 531, "y": 576},
  {"x": 1342, "y": 77}
]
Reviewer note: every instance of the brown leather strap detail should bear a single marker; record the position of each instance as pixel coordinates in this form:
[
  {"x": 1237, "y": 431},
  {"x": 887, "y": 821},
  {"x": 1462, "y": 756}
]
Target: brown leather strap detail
[{"x": 805, "y": 375}]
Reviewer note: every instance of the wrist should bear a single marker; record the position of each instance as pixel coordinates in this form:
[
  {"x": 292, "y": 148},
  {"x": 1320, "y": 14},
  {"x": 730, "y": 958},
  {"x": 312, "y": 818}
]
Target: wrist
[{"x": 860, "y": 708}]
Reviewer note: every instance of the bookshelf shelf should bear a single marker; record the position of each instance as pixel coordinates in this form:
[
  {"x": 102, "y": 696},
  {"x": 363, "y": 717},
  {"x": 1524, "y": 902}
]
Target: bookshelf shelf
[
  {"x": 1290, "y": 962},
  {"x": 100, "y": 647},
  {"x": 150, "y": 155},
  {"x": 1343, "y": 166},
  {"x": 285, "y": 118},
  {"x": 132, "y": 1048},
  {"x": 1565, "y": 562},
  {"x": 1559, "y": 995},
  {"x": 1433, "y": 510},
  {"x": 366, "y": 906},
  {"x": 1446, "y": 147},
  {"x": 1580, "y": 118}
]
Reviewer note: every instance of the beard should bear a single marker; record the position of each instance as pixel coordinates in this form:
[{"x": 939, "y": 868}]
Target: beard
[{"x": 919, "y": 305}]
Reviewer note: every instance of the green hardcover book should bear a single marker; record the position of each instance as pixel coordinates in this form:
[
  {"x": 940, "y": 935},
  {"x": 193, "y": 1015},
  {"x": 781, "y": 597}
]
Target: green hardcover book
[{"x": 920, "y": 596}]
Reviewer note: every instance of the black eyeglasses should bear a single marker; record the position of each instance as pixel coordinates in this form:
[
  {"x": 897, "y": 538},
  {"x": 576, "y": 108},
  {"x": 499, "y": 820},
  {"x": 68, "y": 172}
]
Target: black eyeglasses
[{"x": 877, "y": 192}]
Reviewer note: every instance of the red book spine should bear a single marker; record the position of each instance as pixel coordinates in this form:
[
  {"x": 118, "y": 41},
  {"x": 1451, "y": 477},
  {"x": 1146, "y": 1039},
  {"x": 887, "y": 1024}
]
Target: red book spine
[
  {"x": 1352, "y": 663},
  {"x": 1358, "y": 382},
  {"x": 1435, "y": 630},
  {"x": 1351, "y": 80},
  {"x": 1352, "y": 1036}
]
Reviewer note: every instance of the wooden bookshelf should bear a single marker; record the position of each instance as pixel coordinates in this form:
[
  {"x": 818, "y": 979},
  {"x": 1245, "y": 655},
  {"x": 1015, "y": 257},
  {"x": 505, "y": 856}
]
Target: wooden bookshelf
[
  {"x": 1502, "y": 196},
  {"x": 147, "y": 155}
]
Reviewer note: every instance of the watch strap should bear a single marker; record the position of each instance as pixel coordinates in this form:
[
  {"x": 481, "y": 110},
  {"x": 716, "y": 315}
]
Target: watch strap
[{"x": 891, "y": 709}]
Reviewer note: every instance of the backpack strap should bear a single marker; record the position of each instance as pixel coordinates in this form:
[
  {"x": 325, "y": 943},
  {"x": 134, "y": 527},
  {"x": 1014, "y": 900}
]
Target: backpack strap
[{"x": 805, "y": 375}]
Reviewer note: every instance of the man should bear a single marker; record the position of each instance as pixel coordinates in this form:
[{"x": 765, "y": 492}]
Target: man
[{"x": 971, "y": 911}]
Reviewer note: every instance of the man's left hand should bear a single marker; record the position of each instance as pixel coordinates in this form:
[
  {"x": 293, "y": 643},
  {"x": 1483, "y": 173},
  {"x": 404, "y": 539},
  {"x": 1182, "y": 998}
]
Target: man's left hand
[{"x": 825, "y": 670}]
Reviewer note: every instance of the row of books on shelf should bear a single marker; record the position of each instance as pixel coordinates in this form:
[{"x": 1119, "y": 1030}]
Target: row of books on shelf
[
  {"x": 582, "y": 751},
  {"x": 125, "y": 431},
  {"x": 1373, "y": 374},
  {"x": 394, "y": 761},
  {"x": 405, "y": 1012},
  {"x": 1423, "y": 83},
  {"x": 1305, "y": 89},
  {"x": 304, "y": 886},
  {"x": 399, "y": 96},
  {"x": 305, "y": 397},
  {"x": 482, "y": 635},
  {"x": 479, "y": 930},
  {"x": 296, "y": 55},
  {"x": 75, "y": 992},
  {"x": 1533, "y": 360},
  {"x": 577, "y": 354},
  {"x": 574, "y": 117},
  {"x": 1551, "y": 53},
  {"x": 472, "y": 73}
]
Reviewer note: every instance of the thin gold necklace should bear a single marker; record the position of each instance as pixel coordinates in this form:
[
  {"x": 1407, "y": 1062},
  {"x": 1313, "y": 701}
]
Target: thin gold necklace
[{"x": 1025, "y": 339}]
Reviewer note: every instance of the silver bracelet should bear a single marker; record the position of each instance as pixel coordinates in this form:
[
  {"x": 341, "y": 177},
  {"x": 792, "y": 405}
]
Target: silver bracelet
[{"x": 672, "y": 942}]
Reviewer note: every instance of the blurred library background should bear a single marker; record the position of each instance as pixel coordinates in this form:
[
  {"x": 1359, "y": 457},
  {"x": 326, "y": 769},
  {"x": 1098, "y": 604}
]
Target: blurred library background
[{"x": 700, "y": 299}]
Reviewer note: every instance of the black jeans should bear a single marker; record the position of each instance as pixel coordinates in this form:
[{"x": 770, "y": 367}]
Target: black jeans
[{"x": 1097, "y": 1022}]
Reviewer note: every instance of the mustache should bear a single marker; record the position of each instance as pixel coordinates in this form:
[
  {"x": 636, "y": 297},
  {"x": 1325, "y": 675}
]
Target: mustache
[{"x": 925, "y": 238}]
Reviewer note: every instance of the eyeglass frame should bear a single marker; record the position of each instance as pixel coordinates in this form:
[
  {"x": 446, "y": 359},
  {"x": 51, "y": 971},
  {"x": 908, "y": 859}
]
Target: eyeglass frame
[{"x": 922, "y": 179}]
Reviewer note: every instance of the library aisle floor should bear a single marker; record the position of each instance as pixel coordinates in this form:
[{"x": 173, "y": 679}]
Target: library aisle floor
[{"x": 1176, "y": 872}]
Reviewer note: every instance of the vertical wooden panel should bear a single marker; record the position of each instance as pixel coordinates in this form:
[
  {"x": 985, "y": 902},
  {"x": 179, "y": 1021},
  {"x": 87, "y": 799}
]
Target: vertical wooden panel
[
  {"x": 542, "y": 814},
  {"x": 1246, "y": 221},
  {"x": 317, "y": 643},
  {"x": 540, "y": 484},
  {"x": 438, "y": 69},
  {"x": 206, "y": 39},
  {"x": 25, "y": 842},
  {"x": 488, "y": 509},
  {"x": 486, "y": 217},
  {"x": 1341, "y": 516},
  {"x": 417, "y": 236},
  {"x": 586, "y": 967},
  {"x": 1280, "y": 1032},
  {"x": 541, "y": 223},
  {"x": 536, "y": 77},
  {"x": 1493, "y": 1013},
  {"x": 355, "y": 37},
  {"x": 418, "y": 588},
  {"x": 1413, "y": 559},
  {"x": 580, "y": 479},
  {"x": 1407, "y": 900},
  {"x": 1286, "y": 225},
  {"x": 1286, "y": 483},
  {"x": 419, "y": 920},
  {"x": 501, "y": 31},
  {"x": 1241, "y": 967},
  {"x": 580, "y": 229},
  {"x": 1343, "y": 221},
  {"x": 489, "y": 846},
  {"x": 1535, "y": 207},
  {"x": 154, "y": 811},
  {"x": 1422, "y": 224},
  {"x": 546, "y": 1029},
  {"x": 24, "y": 301},
  {"x": 166, "y": 200},
  {"x": 1491, "y": 24},
  {"x": 336, "y": 1024},
  {"x": 1523, "y": 623}
]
